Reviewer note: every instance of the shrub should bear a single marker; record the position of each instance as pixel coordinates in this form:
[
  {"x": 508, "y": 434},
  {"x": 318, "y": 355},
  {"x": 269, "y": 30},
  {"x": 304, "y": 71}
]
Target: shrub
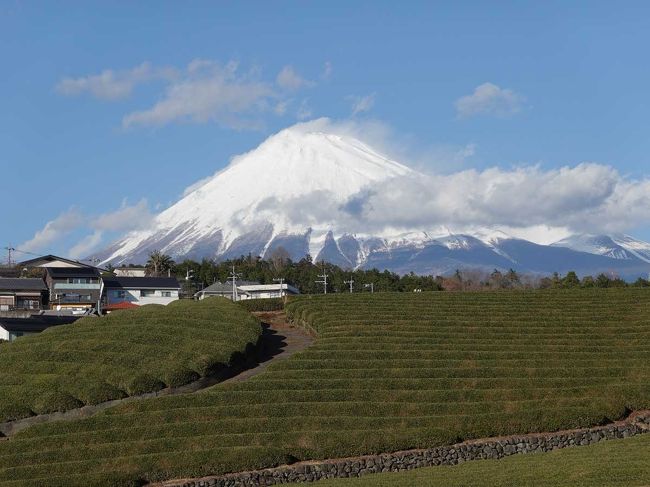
[
  {"x": 270, "y": 304},
  {"x": 387, "y": 372},
  {"x": 126, "y": 353}
]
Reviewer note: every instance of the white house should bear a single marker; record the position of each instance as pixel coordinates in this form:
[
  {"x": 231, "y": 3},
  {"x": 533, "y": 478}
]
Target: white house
[
  {"x": 265, "y": 291},
  {"x": 247, "y": 290},
  {"x": 130, "y": 271},
  {"x": 139, "y": 291}
]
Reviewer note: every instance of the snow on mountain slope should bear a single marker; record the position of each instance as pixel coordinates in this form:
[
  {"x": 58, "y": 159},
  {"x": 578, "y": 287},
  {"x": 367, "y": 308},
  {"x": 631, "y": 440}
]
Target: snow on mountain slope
[
  {"x": 636, "y": 247},
  {"x": 615, "y": 246},
  {"x": 258, "y": 198}
]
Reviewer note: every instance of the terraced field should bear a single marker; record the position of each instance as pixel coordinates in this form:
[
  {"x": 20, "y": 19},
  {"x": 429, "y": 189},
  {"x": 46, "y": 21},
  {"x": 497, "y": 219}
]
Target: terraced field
[
  {"x": 620, "y": 463},
  {"x": 125, "y": 353},
  {"x": 387, "y": 372}
]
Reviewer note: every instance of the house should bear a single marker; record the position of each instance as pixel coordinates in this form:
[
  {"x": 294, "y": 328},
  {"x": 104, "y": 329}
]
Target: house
[
  {"x": 140, "y": 290},
  {"x": 76, "y": 288},
  {"x": 12, "y": 328},
  {"x": 247, "y": 290},
  {"x": 52, "y": 261},
  {"x": 266, "y": 291},
  {"x": 131, "y": 271},
  {"x": 219, "y": 289},
  {"x": 22, "y": 294}
]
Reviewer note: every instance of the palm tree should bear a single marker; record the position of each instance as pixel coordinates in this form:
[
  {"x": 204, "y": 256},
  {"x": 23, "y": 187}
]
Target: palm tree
[{"x": 159, "y": 263}]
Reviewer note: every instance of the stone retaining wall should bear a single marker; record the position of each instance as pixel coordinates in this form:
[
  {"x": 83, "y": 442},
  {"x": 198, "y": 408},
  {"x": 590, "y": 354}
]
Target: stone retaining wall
[{"x": 491, "y": 448}]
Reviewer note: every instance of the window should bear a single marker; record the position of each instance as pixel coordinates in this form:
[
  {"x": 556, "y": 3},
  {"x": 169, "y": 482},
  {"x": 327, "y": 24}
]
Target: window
[
  {"x": 80, "y": 280},
  {"x": 147, "y": 293},
  {"x": 166, "y": 294},
  {"x": 119, "y": 294}
]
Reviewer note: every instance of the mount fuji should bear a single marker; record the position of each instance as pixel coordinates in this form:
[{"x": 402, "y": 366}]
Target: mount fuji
[{"x": 303, "y": 189}]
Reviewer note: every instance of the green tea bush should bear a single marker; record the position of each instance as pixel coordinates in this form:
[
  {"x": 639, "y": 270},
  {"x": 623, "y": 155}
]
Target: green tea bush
[
  {"x": 126, "y": 353},
  {"x": 270, "y": 304},
  {"x": 387, "y": 372}
]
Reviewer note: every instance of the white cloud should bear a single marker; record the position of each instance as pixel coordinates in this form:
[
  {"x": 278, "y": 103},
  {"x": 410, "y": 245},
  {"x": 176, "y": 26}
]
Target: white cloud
[
  {"x": 112, "y": 85},
  {"x": 126, "y": 218},
  {"x": 54, "y": 230},
  {"x": 203, "y": 91},
  {"x": 304, "y": 110},
  {"x": 362, "y": 104},
  {"x": 489, "y": 99},
  {"x": 289, "y": 79},
  {"x": 208, "y": 92},
  {"x": 327, "y": 70},
  {"x": 281, "y": 107},
  {"x": 87, "y": 245},
  {"x": 527, "y": 201}
]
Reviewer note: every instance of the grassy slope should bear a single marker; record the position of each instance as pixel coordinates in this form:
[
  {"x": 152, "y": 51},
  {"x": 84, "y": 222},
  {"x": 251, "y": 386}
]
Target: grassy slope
[
  {"x": 622, "y": 463},
  {"x": 128, "y": 352},
  {"x": 388, "y": 372}
]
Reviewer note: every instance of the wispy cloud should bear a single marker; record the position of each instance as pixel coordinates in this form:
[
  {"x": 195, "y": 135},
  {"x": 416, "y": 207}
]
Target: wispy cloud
[
  {"x": 112, "y": 85},
  {"x": 125, "y": 218},
  {"x": 362, "y": 104},
  {"x": 289, "y": 79},
  {"x": 203, "y": 91},
  {"x": 206, "y": 92},
  {"x": 304, "y": 110},
  {"x": 54, "y": 230},
  {"x": 327, "y": 70},
  {"x": 489, "y": 99}
]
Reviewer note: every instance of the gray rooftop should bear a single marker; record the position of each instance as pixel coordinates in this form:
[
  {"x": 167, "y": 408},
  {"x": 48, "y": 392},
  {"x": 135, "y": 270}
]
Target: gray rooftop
[{"x": 22, "y": 284}]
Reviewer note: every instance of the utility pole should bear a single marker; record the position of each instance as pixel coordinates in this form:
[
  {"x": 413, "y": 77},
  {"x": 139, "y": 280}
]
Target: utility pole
[
  {"x": 350, "y": 282},
  {"x": 9, "y": 250},
  {"x": 323, "y": 281},
  {"x": 233, "y": 277},
  {"x": 371, "y": 286},
  {"x": 281, "y": 281}
]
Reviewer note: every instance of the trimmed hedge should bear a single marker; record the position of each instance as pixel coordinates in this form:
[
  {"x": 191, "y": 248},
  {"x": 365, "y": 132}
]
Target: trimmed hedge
[
  {"x": 126, "y": 353},
  {"x": 387, "y": 372},
  {"x": 270, "y": 304}
]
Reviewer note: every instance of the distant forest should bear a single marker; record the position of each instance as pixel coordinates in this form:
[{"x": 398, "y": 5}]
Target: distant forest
[{"x": 305, "y": 274}]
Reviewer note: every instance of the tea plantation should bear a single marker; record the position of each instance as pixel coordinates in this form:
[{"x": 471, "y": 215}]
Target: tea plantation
[
  {"x": 125, "y": 353},
  {"x": 620, "y": 463},
  {"x": 387, "y": 372}
]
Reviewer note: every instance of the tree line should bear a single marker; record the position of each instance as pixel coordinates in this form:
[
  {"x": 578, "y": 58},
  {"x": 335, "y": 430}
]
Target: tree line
[{"x": 306, "y": 274}]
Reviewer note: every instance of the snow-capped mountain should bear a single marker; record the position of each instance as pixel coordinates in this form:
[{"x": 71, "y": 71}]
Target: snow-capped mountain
[
  {"x": 297, "y": 190},
  {"x": 618, "y": 246}
]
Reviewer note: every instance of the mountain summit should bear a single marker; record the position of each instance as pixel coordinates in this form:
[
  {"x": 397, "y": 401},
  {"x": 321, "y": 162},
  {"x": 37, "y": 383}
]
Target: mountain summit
[
  {"x": 304, "y": 190},
  {"x": 259, "y": 201}
]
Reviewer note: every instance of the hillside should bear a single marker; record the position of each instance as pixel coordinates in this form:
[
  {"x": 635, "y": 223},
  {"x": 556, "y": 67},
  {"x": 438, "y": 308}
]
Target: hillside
[
  {"x": 126, "y": 353},
  {"x": 387, "y": 372}
]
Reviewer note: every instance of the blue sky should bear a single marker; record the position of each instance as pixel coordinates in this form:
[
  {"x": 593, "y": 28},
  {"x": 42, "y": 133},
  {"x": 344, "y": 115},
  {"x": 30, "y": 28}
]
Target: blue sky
[{"x": 110, "y": 110}]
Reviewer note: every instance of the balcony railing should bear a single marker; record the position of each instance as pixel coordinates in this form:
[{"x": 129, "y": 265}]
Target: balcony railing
[{"x": 65, "y": 285}]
